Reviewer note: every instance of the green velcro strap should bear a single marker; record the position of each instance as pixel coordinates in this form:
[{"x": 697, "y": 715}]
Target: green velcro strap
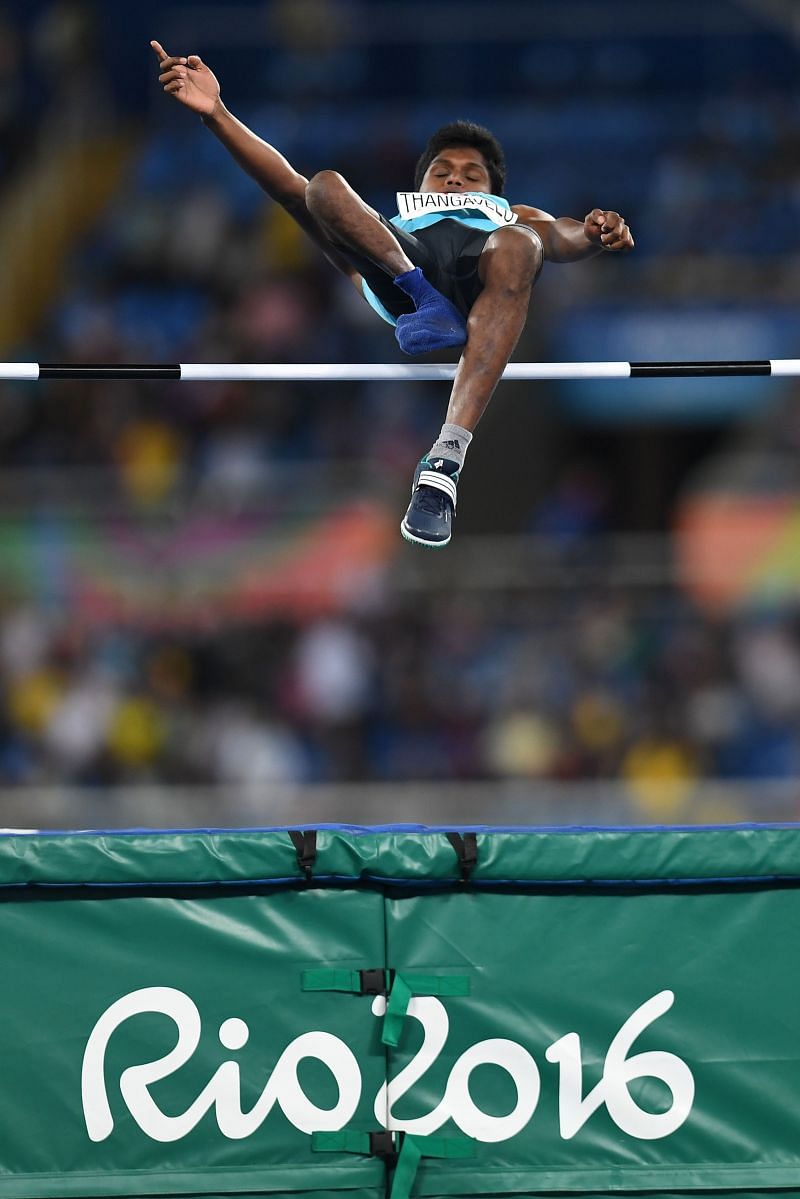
[
  {"x": 344, "y": 1141},
  {"x": 415, "y": 1148},
  {"x": 405, "y": 986},
  {"x": 396, "y": 1008},
  {"x": 332, "y": 980},
  {"x": 443, "y": 985}
]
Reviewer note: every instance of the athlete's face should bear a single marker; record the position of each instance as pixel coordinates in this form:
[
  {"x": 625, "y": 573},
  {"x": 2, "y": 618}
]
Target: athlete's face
[{"x": 457, "y": 169}]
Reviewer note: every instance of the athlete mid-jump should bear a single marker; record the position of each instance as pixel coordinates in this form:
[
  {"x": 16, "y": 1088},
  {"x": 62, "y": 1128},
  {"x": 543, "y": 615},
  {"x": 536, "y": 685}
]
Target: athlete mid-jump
[{"x": 455, "y": 267}]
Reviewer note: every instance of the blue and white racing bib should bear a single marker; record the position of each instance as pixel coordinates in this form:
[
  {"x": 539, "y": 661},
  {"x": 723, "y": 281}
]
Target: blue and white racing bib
[{"x": 411, "y": 205}]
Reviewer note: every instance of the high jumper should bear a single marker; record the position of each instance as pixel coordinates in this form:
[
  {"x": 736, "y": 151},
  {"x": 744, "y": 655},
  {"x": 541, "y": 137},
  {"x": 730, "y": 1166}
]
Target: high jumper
[{"x": 455, "y": 267}]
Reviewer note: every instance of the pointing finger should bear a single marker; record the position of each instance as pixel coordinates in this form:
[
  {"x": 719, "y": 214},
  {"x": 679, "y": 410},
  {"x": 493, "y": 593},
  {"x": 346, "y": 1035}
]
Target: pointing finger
[{"x": 165, "y": 61}]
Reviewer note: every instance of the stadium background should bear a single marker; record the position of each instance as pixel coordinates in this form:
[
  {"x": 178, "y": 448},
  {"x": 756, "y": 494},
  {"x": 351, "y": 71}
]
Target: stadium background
[{"x": 208, "y": 615}]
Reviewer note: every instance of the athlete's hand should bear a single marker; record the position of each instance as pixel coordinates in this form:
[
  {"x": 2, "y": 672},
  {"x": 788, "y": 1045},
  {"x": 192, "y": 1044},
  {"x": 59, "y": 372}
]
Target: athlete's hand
[
  {"x": 607, "y": 229},
  {"x": 188, "y": 80}
]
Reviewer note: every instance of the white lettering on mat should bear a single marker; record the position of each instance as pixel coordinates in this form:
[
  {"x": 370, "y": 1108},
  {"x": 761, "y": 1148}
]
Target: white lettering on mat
[{"x": 222, "y": 1092}]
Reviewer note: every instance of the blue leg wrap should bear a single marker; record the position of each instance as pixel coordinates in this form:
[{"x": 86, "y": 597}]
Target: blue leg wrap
[{"x": 436, "y": 325}]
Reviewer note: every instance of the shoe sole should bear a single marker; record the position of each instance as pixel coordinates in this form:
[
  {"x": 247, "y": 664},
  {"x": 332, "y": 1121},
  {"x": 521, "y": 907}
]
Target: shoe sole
[{"x": 429, "y": 545}]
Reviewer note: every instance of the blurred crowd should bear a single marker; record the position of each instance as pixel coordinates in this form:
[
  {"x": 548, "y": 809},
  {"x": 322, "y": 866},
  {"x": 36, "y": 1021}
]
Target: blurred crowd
[
  {"x": 616, "y": 683},
  {"x": 191, "y": 263}
]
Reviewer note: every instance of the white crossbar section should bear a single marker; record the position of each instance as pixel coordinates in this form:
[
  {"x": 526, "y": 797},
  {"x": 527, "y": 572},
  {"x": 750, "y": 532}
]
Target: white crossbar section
[
  {"x": 19, "y": 370},
  {"x": 334, "y": 372}
]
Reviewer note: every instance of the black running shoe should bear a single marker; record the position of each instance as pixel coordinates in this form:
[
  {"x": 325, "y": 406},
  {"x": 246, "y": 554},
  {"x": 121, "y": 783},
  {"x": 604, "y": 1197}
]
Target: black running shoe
[{"x": 429, "y": 519}]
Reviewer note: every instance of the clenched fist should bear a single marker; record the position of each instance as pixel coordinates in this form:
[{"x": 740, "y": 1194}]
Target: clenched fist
[
  {"x": 188, "y": 80},
  {"x": 607, "y": 229}
]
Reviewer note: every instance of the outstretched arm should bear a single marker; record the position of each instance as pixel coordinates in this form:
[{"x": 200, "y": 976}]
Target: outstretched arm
[
  {"x": 567, "y": 240},
  {"x": 191, "y": 83}
]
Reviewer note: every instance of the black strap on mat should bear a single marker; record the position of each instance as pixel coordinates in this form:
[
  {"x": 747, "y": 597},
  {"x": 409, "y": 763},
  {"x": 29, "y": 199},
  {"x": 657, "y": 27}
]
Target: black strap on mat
[
  {"x": 466, "y": 846},
  {"x": 373, "y": 1144},
  {"x": 305, "y": 845},
  {"x": 382, "y": 1144},
  {"x": 376, "y": 982}
]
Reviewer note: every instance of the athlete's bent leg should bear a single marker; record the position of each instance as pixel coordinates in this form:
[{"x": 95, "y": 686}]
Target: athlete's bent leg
[
  {"x": 436, "y": 324},
  {"x": 508, "y": 266},
  {"x": 348, "y": 219}
]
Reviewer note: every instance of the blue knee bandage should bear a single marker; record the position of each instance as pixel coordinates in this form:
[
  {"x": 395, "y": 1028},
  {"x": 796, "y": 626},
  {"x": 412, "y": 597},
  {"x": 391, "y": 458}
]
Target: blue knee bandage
[{"x": 436, "y": 324}]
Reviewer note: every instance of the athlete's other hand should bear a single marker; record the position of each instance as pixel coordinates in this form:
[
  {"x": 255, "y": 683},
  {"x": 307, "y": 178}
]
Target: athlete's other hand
[
  {"x": 188, "y": 80},
  {"x": 607, "y": 229}
]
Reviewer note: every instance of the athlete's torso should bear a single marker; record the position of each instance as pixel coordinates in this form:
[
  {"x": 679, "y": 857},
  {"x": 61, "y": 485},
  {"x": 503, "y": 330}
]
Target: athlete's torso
[{"x": 418, "y": 211}]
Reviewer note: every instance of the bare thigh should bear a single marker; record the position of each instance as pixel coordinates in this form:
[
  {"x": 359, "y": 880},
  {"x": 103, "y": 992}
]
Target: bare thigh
[{"x": 515, "y": 250}]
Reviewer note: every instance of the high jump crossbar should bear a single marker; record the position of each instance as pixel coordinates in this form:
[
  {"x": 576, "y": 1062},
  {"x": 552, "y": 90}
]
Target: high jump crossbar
[{"x": 335, "y": 372}]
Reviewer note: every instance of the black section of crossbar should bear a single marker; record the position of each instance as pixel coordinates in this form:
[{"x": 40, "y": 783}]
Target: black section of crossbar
[
  {"x": 677, "y": 370},
  {"x": 104, "y": 370}
]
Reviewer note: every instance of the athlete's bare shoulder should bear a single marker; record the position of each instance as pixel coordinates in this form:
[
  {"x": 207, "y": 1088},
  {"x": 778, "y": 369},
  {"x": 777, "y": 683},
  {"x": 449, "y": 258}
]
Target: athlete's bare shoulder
[{"x": 525, "y": 212}]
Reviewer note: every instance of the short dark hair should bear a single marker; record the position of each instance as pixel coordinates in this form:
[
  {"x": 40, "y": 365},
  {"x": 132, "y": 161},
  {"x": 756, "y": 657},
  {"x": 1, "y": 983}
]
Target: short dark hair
[{"x": 465, "y": 133}]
